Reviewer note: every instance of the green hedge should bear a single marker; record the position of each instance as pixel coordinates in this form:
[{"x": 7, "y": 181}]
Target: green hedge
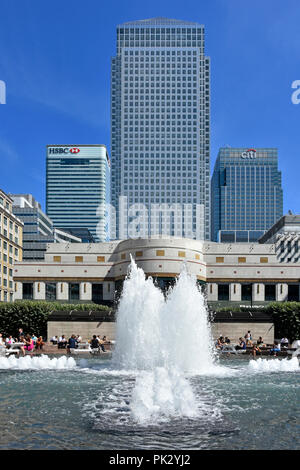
[
  {"x": 285, "y": 315},
  {"x": 286, "y": 318},
  {"x": 32, "y": 315}
]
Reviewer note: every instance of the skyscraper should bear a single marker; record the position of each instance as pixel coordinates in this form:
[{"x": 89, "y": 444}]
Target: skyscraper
[
  {"x": 78, "y": 187},
  {"x": 246, "y": 194},
  {"x": 160, "y": 125}
]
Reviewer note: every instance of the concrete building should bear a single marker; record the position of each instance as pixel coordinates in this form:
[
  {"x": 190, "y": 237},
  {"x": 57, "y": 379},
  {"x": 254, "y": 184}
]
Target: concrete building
[
  {"x": 11, "y": 240},
  {"x": 78, "y": 188},
  {"x": 160, "y": 127},
  {"x": 246, "y": 194},
  {"x": 38, "y": 229},
  {"x": 233, "y": 274}
]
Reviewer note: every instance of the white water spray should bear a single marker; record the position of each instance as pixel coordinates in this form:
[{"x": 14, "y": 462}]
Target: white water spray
[{"x": 164, "y": 339}]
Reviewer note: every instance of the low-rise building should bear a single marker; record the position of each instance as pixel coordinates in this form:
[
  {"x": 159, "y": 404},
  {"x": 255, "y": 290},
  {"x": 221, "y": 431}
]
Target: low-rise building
[
  {"x": 11, "y": 235},
  {"x": 234, "y": 274}
]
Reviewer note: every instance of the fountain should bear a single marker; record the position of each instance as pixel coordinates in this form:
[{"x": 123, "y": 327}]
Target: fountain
[{"x": 164, "y": 340}]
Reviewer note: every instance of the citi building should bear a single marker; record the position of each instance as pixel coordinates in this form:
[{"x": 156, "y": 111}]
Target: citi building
[{"x": 246, "y": 194}]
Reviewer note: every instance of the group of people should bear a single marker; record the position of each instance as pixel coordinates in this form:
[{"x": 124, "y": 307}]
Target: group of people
[
  {"x": 26, "y": 342},
  {"x": 72, "y": 343},
  {"x": 247, "y": 341}
]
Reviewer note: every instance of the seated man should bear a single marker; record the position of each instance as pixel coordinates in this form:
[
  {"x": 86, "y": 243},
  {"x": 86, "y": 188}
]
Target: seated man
[
  {"x": 276, "y": 348},
  {"x": 72, "y": 343},
  {"x": 101, "y": 343},
  {"x": 242, "y": 344},
  {"x": 284, "y": 342},
  {"x": 94, "y": 342},
  {"x": 62, "y": 342}
]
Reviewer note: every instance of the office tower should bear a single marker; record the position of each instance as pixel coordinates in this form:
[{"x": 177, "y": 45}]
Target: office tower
[
  {"x": 78, "y": 187},
  {"x": 160, "y": 123},
  {"x": 246, "y": 194},
  {"x": 38, "y": 228},
  {"x": 11, "y": 229}
]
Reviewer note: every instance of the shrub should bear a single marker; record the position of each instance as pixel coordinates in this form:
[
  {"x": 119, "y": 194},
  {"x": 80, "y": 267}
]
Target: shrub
[{"x": 32, "y": 316}]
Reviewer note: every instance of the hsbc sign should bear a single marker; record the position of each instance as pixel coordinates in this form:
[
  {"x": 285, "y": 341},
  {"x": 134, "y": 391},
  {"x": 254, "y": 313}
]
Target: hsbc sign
[
  {"x": 63, "y": 150},
  {"x": 250, "y": 154}
]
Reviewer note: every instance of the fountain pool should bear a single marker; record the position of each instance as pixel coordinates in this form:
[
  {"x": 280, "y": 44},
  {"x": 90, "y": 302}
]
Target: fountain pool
[{"x": 162, "y": 389}]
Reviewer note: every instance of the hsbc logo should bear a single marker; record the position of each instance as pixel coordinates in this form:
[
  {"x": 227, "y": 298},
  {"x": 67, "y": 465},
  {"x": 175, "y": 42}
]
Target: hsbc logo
[
  {"x": 250, "y": 154},
  {"x": 63, "y": 150}
]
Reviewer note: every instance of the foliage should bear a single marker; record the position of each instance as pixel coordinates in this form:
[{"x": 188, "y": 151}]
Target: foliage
[
  {"x": 32, "y": 315},
  {"x": 286, "y": 317}
]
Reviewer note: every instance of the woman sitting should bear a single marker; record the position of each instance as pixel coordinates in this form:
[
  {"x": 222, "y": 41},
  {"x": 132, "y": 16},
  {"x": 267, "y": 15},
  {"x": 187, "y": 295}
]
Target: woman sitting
[
  {"x": 39, "y": 343},
  {"x": 28, "y": 345}
]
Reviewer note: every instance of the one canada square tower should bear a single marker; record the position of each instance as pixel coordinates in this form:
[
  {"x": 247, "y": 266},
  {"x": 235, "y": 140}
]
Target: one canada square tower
[{"x": 160, "y": 124}]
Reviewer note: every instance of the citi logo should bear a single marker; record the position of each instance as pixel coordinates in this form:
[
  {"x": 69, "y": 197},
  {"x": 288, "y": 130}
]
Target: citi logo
[
  {"x": 74, "y": 150},
  {"x": 250, "y": 153}
]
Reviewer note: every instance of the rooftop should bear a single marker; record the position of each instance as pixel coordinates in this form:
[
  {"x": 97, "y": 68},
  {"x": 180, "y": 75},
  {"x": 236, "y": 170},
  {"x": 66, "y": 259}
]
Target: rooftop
[{"x": 160, "y": 21}]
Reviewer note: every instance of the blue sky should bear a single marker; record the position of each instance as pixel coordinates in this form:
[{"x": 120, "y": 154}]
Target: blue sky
[{"x": 55, "y": 60}]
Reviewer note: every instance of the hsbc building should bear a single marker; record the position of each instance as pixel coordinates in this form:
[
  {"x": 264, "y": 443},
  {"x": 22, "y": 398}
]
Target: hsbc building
[{"x": 78, "y": 187}]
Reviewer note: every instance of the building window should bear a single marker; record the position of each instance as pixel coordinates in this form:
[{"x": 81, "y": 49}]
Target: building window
[
  {"x": 181, "y": 254},
  {"x": 270, "y": 292},
  {"x": 97, "y": 293},
  {"x": 73, "y": 291},
  {"x": 220, "y": 259},
  {"x": 241, "y": 259},
  {"x": 78, "y": 259},
  {"x": 57, "y": 259},
  {"x": 50, "y": 291},
  {"x": 197, "y": 256},
  {"x": 138, "y": 253},
  {"x": 247, "y": 292},
  {"x": 100, "y": 259},
  {"x": 27, "y": 290},
  {"x": 293, "y": 293},
  {"x": 160, "y": 252},
  {"x": 264, "y": 259},
  {"x": 123, "y": 256},
  {"x": 223, "y": 291}
]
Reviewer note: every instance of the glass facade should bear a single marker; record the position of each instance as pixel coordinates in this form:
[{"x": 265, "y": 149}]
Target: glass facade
[
  {"x": 78, "y": 187},
  {"x": 246, "y": 194},
  {"x": 160, "y": 119}
]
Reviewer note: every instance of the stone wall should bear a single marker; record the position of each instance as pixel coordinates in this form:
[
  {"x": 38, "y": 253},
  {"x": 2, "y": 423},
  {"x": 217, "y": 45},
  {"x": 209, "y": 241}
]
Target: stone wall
[
  {"x": 231, "y": 329},
  {"x": 85, "y": 329}
]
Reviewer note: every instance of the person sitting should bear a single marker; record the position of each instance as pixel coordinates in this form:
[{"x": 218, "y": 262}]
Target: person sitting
[
  {"x": 9, "y": 341},
  {"x": 72, "y": 343},
  {"x": 101, "y": 343},
  {"x": 78, "y": 339},
  {"x": 28, "y": 345},
  {"x": 276, "y": 348},
  {"x": 39, "y": 343},
  {"x": 54, "y": 340},
  {"x": 242, "y": 344},
  {"x": 284, "y": 342},
  {"x": 255, "y": 350},
  {"x": 62, "y": 342},
  {"x": 34, "y": 339},
  {"x": 94, "y": 342},
  {"x": 227, "y": 340},
  {"x": 248, "y": 338},
  {"x": 260, "y": 342}
]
